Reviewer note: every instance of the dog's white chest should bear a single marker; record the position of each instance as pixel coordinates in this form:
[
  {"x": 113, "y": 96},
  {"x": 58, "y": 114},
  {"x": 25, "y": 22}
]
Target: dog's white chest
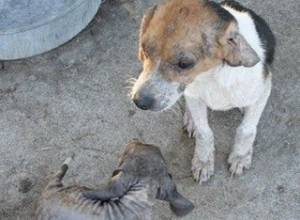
[{"x": 228, "y": 88}]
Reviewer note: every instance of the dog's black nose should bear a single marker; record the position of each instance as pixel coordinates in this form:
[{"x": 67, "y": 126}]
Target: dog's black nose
[{"x": 144, "y": 102}]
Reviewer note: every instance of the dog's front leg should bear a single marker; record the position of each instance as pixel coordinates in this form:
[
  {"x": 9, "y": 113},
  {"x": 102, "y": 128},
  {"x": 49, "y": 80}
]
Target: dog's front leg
[
  {"x": 203, "y": 160},
  {"x": 241, "y": 155}
]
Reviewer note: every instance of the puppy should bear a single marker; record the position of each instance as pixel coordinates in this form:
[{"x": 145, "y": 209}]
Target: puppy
[
  {"x": 216, "y": 56},
  {"x": 141, "y": 176}
]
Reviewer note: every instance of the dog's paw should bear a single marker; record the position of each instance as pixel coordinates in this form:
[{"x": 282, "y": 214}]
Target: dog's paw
[
  {"x": 188, "y": 124},
  {"x": 201, "y": 170},
  {"x": 239, "y": 163}
]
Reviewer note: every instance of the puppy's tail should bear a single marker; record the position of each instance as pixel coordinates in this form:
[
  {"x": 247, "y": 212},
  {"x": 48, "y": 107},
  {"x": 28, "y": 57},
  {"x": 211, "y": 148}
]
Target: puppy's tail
[{"x": 56, "y": 180}]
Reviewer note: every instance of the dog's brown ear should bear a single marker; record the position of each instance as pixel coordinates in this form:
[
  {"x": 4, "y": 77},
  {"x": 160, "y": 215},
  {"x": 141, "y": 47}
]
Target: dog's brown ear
[
  {"x": 146, "y": 19},
  {"x": 236, "y": 49},
  {"x": 144, "y": 25}
]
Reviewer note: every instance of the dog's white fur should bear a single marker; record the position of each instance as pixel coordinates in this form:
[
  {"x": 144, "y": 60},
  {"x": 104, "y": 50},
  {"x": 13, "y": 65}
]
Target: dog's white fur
[{"x": 223, "y": 88}]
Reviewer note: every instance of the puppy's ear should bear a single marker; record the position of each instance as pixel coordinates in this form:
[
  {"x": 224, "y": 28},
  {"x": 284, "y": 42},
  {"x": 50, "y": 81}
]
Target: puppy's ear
[
  {"x": 236, "y": 50},
  {"x": 179, "y": 204},
  {"x": 117, "y": 187},
  {"x": 144, "y": 25}
]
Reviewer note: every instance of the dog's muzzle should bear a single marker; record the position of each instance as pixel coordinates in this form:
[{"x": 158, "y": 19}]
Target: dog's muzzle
[
  {"x": 156, "y": 98},
  {"x": 155, "y": 93},
  {"x": 144, "y": 102}
]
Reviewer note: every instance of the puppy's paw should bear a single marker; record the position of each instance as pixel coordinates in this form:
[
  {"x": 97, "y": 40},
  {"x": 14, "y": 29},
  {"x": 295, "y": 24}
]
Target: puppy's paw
[
  {"x": 188, "y": 123},
  {"x": 201, "y": 170},
  {"x": 239, "y": 163}
]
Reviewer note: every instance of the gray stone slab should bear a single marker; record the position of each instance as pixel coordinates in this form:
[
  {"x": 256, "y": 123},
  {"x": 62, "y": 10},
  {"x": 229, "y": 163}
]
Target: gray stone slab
[{"x": 30, "y": 27}]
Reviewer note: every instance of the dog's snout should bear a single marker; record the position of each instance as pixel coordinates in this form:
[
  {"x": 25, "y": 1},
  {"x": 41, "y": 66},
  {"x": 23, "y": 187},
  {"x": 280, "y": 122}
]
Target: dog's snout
[{"x": 144, "y": 102}]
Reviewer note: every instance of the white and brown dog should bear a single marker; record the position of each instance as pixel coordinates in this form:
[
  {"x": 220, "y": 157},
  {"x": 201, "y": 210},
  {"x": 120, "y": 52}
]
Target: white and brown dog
[{"x": 216, "y": 56}]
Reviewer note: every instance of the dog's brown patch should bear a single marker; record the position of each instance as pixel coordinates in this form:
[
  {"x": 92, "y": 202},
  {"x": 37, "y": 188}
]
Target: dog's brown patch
[{"x": 180, "y": 30}]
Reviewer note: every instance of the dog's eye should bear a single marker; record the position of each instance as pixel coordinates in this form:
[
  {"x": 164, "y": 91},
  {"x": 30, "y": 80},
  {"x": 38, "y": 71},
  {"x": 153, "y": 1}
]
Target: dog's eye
[
  {"x": 231, "y": 41},
  {"x": 186, "y": 64}
]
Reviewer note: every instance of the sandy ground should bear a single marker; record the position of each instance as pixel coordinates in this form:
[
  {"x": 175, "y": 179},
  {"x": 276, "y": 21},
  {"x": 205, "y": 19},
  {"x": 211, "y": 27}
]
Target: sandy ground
[{"x": 74, "y": 100}]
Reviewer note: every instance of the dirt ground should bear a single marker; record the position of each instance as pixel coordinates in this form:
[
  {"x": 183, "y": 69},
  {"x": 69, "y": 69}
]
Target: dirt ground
[{"x": 74, "y": 100}]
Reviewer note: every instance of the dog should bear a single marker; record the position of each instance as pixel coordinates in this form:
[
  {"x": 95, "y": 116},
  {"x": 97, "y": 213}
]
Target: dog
[
  {"x": 141, "y": 176},
  {"x": 217, "y": 56}
]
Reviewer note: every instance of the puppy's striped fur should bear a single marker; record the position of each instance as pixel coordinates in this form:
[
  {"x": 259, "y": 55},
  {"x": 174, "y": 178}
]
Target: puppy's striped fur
[{"x": 141, "y": 177}]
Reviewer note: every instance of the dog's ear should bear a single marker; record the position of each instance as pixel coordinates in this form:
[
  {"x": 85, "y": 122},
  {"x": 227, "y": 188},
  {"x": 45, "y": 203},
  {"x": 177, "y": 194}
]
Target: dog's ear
[
  {"x": 146, "y": 19},
  {"x": 236, "y": 51},
  {"x": 117, "y": 187},
  {"x": 178, "y": 203},
  {"x": 144, "y": 25}
]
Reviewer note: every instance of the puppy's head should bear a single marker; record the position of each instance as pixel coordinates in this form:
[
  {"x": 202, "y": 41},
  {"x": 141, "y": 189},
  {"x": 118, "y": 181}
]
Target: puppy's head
[
  {"x": 146, "y": 164},
  {"x": 180, "y": 40}
]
